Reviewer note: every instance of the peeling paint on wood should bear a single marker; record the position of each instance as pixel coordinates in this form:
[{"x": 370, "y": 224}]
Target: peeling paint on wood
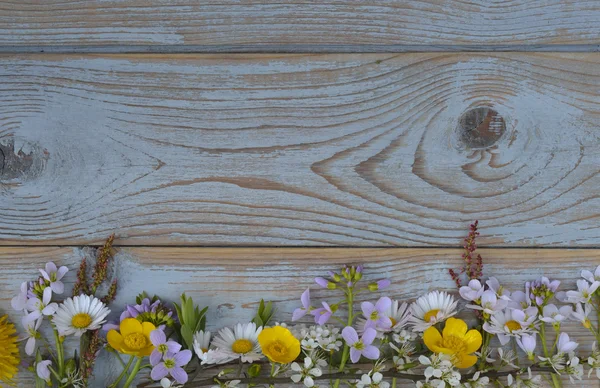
[
  {"x": 352, "y": 150},
  {"x": 288, "y": 22}
]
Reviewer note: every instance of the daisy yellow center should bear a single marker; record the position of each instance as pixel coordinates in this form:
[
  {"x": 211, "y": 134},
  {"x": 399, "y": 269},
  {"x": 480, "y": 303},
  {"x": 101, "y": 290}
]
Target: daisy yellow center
[
  {"x": 242, "y": 346},
  {"x": 513, "y": 325},
  {"x": 81, "y": 320},
  {"x": 430, "y": 314},
  {"x": 277, "y": 349},
  {"x": 135, "y": 341},
  {"x": 393, "y": 321},
  {"x": 204, "y": 350},
  {"x": 455, "y": 343}
]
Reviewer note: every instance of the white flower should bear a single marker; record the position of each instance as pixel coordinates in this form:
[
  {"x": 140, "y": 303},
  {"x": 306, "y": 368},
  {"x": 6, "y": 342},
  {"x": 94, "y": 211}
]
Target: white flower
[
  {"x": 241, "y": 342},
  {"x": 79, "y": 314},
  {"x": 404, "y": 336},
  {"x": 507, "y": 357},
  {"x": 489, "y": 303},
  {"x": 584, "y": 292},
  {"x": 587, "y": 275},
  {"x": 594, "y": 361},
  {"x": 432, "y": 308},
  {"x": 554, "y": 315},
  {"x": 500, "y": 291},
  {"x": 308, "y": 371},
  {"x": 53, "y": 275},
  {"x": 399, "y": 314},
  {"x": 436, "y": 366},
  {"x": 40, "y": 307},
  {"x": 375, "y": 381},
  {"x": 201, "y": 342},
  {"x": 477, "y": 382},
  {"x": 31, "y": 331},
  {"x": 574, "y": 369},
  {"x": 518, "y": 381},
  {"x": 326, "y": 337},
  {"x": 19, "y": 302},
  {"x": 511, "y": 323},
  {"x": 581, "y": 314},
  {"x": 472, "y": 291},
  {"x": 42, "y": 370},
  {"x": 527, "y": 343},
  {"x": 565, "y": 345}
]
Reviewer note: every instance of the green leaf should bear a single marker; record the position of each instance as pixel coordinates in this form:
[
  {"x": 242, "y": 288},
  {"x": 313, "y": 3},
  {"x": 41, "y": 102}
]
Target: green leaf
[
  {"x": 188, "y": 336},
  {"x": 254, "y": 370}
]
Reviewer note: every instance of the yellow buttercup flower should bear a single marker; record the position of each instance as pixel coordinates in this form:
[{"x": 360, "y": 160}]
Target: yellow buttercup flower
[
  {"x": 133, "y": 337},
  {"x": 279, "y": 344},
  {"x": 9, "y": 351},
  {"x": 456, "y": 341}
]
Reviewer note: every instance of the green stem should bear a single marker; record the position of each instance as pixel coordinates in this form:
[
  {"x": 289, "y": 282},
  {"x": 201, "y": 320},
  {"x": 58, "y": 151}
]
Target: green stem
[
  {"x": 393, "y": 382},
  {"x": 125, "y": 370},
  {"x": 556, "y": 383},
  {"x": 514, "y": 346},
  {"x": 60, "y": 355},
  {"x": 346, "y": 352},
  {"x": 134, "y": 372}
]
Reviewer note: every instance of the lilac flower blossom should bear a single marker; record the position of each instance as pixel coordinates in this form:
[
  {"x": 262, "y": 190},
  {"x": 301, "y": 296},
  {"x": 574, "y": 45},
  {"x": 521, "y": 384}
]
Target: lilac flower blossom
[
  {"x": 472, "y": 291},
  {"x": 39, "y": 307},
  {"x": 490, "y": 304},
  {"x": 31, "y": 331},
  {"x": 379, "y": 285},
  {"x": 360, "y": 347},
  {"x": 322, "y": 282},
  {"x": 42, "y": 369},
  {"x": 322, "y": 314},
  {"x": 565, "y": 345},
  {"x": 161, "y": 346},
  {"x": 375, "y": 314},
  {"x": 527, "y": 343},
  {"x": 53, "y": 275},
  {"x": 584, "y": 291},
  {"x": 587, "y": 275},
  {"x": 19, "y": 302},
  {"x": 301, "y": 311},
  {"x": 554, "y": 315},
  {"x": 495, "y": 286},
  {"x": 172, "y": 364}
]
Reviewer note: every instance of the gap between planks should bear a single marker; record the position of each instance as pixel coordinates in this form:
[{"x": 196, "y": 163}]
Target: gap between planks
[{"x": 292, "y": 49}]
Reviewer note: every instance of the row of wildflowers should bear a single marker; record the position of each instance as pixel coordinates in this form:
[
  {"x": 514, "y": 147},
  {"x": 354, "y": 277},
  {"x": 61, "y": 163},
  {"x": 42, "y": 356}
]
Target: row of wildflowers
[{"x": 358, "y": 336}]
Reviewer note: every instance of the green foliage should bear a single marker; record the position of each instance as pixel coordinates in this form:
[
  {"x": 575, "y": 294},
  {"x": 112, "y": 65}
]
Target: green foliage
[
  {"x": 191, "y": 320},
  {"x": 264, "y": 314},
  {"x": 254, "y": 370}
]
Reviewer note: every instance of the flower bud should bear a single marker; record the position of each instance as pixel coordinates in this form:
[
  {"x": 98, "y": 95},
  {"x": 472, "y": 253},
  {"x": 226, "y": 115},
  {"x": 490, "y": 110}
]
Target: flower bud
[
  {"x": 254, "y": 370},
  {"x": 322, "y": 282},
  {"x": 331, "y": 285}
]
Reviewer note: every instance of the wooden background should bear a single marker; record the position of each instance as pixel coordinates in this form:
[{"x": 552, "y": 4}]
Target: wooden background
[{"x": 238, "y": 148}]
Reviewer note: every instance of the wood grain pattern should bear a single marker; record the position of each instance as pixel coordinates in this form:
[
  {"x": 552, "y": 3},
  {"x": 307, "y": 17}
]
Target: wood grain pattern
[
  {"x": 288, "y": 23},
  {"x": 347, "y": 150},
  {"x": 231, "y": 280}
]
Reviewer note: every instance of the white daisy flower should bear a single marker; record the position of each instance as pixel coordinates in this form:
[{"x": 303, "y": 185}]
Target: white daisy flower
[
  {"x": 79, "y": 314},
  {"x": 510, "y": 323},
  {"x": 432, "y": 308},
  {"x": 241, "y": 342},
  {"x": 201, "y": 342}
]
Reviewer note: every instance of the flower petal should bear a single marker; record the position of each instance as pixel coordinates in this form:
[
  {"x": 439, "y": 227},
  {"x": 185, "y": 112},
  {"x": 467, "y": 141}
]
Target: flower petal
[
  {"x": 354, "y": 355},
  {"x": 155, "y": 357},
  {"x": 350, "y": 335},
  {"x": 173, "y": 346},
  {"x": 456, "y": 327},
  {"x": 465, "y": 361},
  {"x": 115, "y": 340},
  {"x": 432, "y": 339},
  {"x": 305, "y": 298},
  {"x": 183, "y": 357},
  {"x": 61, "y": 272},
  {"x": 179, "y": 375},
  {"x": 147, "y": 328},
  {"x": 158, "y": 337},
  {"x": 58, "y": 287},
  {"x": 371, "y": 352},
  {"x": 369, "y": 335},
  {"x": 130, "y": 326},
  {"x": 159, "y": 371},
  {"x": 473, "y": 341}
]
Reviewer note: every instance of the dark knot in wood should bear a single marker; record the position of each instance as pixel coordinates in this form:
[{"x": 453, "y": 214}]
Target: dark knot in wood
[
  {"x": 19, "y": 164},
  {"x": 480, "y": 127}
]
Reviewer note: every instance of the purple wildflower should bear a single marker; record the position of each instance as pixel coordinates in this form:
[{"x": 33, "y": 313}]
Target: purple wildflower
[
  {"x": 361, "y": 347},
  {"x": 375, "y": 314},
  {"x": 322, "y": 282},
  {"x": 379, "y": 285},
  {"x": 322, "y": 314},
  {"x": 172, "y": 364},
  {"x": 161, "y": 346},
  {"x": 53, "y": 276},
  {"x": 301, "y": 311}
]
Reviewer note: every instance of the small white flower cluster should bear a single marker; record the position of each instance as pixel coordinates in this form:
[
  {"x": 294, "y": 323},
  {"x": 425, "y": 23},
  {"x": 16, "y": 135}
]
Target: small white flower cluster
[
  {"x": 305, "y": 373},
  {"x": 372, "y": 380},
  {"x": 439, "y": 371},
  {"x": 324, "y": 337}
]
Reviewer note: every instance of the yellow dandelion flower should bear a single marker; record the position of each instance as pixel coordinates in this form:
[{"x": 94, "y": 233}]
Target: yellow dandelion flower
[
  {"x": 132, "y": 338},
  {"x": 455, "y": 340},
  {"x": 9, "y": 351},
  {"x": 279, "y": 344}
]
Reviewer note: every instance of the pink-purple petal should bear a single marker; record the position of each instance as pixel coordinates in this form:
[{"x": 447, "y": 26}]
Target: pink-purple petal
[
  {"x": 58, "y": 287},
  {"x": 157, "y": 337},
  {"x": 368, "y": 336},
  {"x": 155, "y": 357},
  {"x": 179, "y": 375},
  {"x": 298, "y": 313},
  {"x": 367, "y": 308},
  {"x": 354, "y": 355},
  {"x": 383, "y": 304},
  {"x": 45, "y": 274},
  {"x": 159, "y": 371},
  {"x": 173, "y": 346},
  {"x": 371, "y": 352},
  {"x": 61, "y": 272},
  {"x": 305, "y": 298},
  {"x": 50, "y": 267},
  {"x": 183, "y": 357},
  {"x": 350, "y": 335}
]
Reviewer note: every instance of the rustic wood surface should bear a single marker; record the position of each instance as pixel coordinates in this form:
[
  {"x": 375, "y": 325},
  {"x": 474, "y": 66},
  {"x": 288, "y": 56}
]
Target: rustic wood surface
[
  {"x": 231, "y": 280},
  {"x": 300, "y": 150},
  {"x": 297, "y": 26}
]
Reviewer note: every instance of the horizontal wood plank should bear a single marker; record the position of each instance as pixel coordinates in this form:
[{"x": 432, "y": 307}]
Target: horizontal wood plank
[
  {"x": 292, "y": 25},
  {"x": 231, "y": 281},
  {"x": 289, "y": 150}
]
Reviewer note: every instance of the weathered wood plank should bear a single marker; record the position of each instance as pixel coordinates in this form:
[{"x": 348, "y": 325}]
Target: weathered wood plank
[
  {"x": 260, "y": 25},
  {"x": 347, "y": 150},
  {"x": 231, "y": 280}
]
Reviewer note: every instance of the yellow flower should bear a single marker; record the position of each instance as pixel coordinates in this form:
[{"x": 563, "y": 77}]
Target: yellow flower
[
  {"x": 455, "y": 341},
  {"x": 134, "y": 337},
  {"x": 9, "y": 351},
  {"x": 279, "y": 344}
]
